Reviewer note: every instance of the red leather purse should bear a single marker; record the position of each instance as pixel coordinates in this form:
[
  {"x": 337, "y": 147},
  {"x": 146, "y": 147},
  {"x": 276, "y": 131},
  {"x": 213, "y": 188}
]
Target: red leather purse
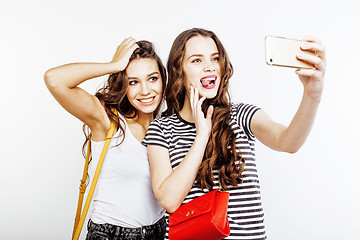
[{"x": 203, "y": 218}]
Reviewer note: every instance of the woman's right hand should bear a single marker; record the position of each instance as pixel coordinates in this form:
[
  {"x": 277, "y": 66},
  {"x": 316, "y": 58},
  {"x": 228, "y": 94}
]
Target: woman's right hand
[
  {"x": 202, "y": 124},
  {"x": 123, "y": 53},
  {"x": 63, "y": 83}
]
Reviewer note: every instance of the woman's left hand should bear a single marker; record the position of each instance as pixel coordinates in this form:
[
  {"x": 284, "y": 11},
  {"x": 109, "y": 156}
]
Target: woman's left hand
[{"x": 313, "y": 79}]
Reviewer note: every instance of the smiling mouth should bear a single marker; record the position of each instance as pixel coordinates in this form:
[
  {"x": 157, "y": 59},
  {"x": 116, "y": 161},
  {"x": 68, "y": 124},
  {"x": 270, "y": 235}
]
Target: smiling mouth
[
  {"x": 208, "y": 81},
  {"x": 149, "y": 100}
]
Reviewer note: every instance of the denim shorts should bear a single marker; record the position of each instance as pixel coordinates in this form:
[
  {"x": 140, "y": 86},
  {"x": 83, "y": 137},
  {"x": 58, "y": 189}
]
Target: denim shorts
[{"x": 108, "y": 231}]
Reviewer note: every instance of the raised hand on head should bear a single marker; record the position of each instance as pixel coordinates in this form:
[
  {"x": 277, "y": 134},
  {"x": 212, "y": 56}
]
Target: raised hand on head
[{"x": 123, "y": 53}]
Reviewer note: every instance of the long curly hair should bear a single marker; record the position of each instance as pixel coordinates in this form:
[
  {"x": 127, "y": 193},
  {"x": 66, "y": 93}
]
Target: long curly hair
[
  {"x": 221, "y": 152},
  {"x": 113, "y": 94}
]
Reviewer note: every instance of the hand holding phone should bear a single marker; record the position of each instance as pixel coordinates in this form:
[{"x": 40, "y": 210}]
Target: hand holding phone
[{"x": 280, "y": 51}]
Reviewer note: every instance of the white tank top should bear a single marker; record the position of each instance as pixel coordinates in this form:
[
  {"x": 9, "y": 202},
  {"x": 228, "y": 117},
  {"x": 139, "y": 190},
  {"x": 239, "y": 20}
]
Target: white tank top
[{"x": 123, "y": 194}]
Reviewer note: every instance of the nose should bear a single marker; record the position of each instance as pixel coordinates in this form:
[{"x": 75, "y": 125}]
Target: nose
[
  {"x": 145, "y": 89},
  {"x": 209, "y": 66}
]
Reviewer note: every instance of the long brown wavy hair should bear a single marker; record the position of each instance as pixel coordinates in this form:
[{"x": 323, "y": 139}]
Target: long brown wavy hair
[
  {"x": 113, "y": 94},
  {"x": 221, "y": 152}
]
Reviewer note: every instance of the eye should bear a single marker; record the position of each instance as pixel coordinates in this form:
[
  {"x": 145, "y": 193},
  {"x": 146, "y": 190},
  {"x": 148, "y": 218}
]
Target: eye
[
  {"x": 153, "y": 79},
  {"x": 216, "y": 59},
  {"x": 196, "y": 60},
  {"x": 133, "y": 82}
]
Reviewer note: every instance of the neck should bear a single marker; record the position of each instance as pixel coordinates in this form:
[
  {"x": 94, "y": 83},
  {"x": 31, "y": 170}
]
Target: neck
[
  {"x": 186, "y": 112},
  {"x": 143, "y": 119}
]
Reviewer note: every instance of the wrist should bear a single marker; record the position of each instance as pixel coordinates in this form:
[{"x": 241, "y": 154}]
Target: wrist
[
  {"x": 202, "y": 137},
  {"x": 312, "y": 97},
  {"x": 114, "y": 67}
]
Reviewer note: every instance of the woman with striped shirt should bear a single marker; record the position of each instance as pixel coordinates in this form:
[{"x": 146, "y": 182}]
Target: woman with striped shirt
[{"x": 204, "y": 141}]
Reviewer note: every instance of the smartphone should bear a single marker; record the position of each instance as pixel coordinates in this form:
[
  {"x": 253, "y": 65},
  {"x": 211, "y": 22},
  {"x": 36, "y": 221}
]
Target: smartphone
[{"x": 280, "y": 51}]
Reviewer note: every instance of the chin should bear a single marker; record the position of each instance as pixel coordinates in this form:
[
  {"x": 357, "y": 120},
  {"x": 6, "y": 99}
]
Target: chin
[
  {"x": 146, "y": 110},
  {"x": 208, "y": 94}
]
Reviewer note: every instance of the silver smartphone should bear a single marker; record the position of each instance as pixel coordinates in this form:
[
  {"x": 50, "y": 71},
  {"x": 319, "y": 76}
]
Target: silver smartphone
[{"x": 280, "y": 51}]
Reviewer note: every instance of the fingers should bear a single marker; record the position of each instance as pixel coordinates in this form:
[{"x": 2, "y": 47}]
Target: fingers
[
  {"x": 314, "y": 45},
  {"x": 305, "y": 72},
  {"x": 127, "y": 43},
  {"x": 127, "y": 47},
  {"x": 313, "y": 53},
  {"x": 195, "y": 102},
  {"x": 310, "y": 38},
  {"x": 202, "y": 123},
  {"x": 316, "y": 48},
  {"x": 199, "y": 104},
  {"x": 194, "y": 98},
  {"x": 209, "y": 112},
  {"x": 123, "y": 53},
  {"x": 131, "y": 45},
  {"x": 191, "y": 98},
  {"x": 313, "y": 59}
]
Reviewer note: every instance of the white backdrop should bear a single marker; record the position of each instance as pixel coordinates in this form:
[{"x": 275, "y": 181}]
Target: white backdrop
[{"x": 313, "y": 194}]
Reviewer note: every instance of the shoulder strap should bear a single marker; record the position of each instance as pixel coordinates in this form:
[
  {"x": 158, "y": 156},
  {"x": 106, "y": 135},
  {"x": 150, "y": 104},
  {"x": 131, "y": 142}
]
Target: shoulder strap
[{"x": 80, "y": 219}]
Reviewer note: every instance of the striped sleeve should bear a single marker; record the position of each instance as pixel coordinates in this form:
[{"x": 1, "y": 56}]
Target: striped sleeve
[
  {"x": 155, "y": 135},
  {"x": 244, "y": 114}
]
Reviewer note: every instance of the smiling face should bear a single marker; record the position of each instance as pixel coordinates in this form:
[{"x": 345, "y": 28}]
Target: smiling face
[
  {"x": 144, "y": 85},
  {"x": 201, "y": 66}
]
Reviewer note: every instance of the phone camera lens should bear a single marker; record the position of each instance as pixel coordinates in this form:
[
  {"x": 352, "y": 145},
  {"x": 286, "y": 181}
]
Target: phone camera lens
[{"x": 270, "y": 59}]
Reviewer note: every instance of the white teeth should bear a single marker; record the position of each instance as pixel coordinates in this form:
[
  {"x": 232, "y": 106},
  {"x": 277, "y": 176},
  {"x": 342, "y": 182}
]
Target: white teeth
[
  {"x": 210, "y": 80},
  {"x": 147, "y": 100}
]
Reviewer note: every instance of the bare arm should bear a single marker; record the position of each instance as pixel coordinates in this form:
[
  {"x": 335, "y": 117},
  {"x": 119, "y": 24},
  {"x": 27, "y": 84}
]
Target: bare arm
[
  {"x": 62, "y": 82},
  {"x": 172, "y": 186},
  {"x": 291, "y": 138}
]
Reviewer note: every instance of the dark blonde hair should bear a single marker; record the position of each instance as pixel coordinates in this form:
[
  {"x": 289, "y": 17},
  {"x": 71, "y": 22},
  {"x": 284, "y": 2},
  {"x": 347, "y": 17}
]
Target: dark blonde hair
[
  {"x": 221, "y": 152},
  {"x": 113, "y": 94}
]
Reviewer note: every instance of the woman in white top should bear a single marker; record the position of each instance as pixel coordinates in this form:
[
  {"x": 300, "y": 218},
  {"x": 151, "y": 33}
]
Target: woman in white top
[{"x": 124, "y": 206}]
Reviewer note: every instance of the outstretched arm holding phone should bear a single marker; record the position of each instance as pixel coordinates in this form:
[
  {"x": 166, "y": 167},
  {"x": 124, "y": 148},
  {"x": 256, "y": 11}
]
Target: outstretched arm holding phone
[{"x": 291, "y": 138}]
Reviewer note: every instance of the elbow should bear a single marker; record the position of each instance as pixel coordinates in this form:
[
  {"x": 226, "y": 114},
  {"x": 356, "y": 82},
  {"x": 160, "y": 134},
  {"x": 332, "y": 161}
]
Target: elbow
[
  {"x": 169, "y": 204},
  {"x": 289, "y": 148},
  {"x": 292, "y": 151},
  {"x": 53, "y": 80},
  {"x": 170, "y": 208},
  {"x": 49, "y": 79}
]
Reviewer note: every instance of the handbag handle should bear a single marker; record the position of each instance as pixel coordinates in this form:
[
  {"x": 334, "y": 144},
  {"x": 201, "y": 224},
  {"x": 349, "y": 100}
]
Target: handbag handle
[{"x": 80, "y": 219}]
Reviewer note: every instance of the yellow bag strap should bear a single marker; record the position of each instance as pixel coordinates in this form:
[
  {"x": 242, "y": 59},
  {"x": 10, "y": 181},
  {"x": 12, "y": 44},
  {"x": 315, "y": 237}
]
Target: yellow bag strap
[{"x": 80, "y": 216}]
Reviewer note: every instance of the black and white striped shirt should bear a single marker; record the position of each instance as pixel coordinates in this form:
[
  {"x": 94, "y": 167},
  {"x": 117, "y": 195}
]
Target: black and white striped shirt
[{"x": 245, "y": 212}]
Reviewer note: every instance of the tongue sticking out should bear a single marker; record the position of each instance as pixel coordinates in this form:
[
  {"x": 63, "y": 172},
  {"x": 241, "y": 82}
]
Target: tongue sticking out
[{"x": 206, "y": 83}]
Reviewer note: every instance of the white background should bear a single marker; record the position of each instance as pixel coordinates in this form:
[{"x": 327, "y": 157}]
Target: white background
[{"x": 313, "y": 194}]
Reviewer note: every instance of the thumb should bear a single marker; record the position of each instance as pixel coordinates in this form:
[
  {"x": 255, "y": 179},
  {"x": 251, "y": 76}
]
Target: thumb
[{"x": 209, "y": 112}]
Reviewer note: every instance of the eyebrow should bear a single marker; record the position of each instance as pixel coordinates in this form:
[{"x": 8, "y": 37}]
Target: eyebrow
[
  {"x": 150, "y": 74},
  {"x": 200, "y": 55}
]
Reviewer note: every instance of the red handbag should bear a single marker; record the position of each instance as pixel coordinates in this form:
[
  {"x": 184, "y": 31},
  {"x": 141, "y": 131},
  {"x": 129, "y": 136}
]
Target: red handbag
[{"x": 203, "y": 218}]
